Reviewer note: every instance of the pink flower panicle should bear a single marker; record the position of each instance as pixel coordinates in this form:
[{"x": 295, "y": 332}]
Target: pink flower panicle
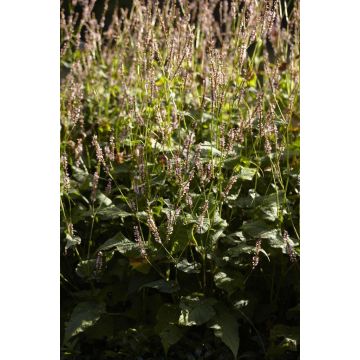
[
  {"x": 256, "y": 258},
  {"x": 139, "y": 241}
]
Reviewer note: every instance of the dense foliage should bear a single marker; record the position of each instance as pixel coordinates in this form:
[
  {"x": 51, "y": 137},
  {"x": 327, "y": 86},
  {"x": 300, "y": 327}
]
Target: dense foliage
[{"x": 180, "y": 181}]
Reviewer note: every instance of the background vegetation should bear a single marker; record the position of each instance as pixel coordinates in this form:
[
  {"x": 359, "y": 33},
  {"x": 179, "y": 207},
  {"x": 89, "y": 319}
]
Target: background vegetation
[{"x": 180, "y": 180}]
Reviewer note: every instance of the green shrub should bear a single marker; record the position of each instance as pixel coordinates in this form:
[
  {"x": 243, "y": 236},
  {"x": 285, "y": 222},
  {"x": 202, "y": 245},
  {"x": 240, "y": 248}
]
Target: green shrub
[{"x": 180, "y": 181}]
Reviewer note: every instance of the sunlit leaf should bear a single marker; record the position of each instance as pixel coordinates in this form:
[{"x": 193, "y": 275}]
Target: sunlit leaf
[{"x": 187, "y": 267}]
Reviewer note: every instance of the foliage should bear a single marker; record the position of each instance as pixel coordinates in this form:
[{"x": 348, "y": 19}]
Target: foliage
[{"x": 180, "y": 181}]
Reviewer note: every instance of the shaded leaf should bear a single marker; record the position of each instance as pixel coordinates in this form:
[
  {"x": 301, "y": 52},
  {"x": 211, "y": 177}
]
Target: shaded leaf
[
  {"x": 225, "y": 327},
  {"x": 79, "y": 175},
  {"x": 180, "y": 237},
  {"x": 241, "y": 248},
  {"x": 230, "y": 282},
  {"x": 84, "y": 315},
  {"x": 167, "y": 287},
  {"x": 122, "y": 244},
  {"x": 196, "y": 311},
  {"x": 166, "y": 326},
  {"x": 283, "y": 338},
  {"x": 207, "y": 150},
  {"x": 170, "y": 335},
  {"x": 86, "y": 268}
]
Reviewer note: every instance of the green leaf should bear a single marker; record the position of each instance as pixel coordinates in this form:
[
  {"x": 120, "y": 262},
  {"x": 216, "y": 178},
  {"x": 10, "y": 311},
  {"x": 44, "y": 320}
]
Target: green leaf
[
  {"x": 112, "y": 212},
  {"x": 218, "y": 228},
  {"x": 122, "y": 244},
  {"x": 86, "y": 268},
  {"x": 269, "y": 206},
  {"x": 283, "y": 338},
  {"x": 84, "y": 315},
  {"x": 195, "y": 311},
  {"x": 247, "y": 173},
  {"x": 207, "y": 150},
  {"x": 225, "y": 327},
  {"x": 204, "y": 227},
  {"x": 167, "y": 287},
  {"x": 167, "y": 314},
  {"x": 241, "y": 248},
  {"x": 190, "y": 268},
  {"x": 230, "y": 162},
  {"x": 230, "y": 282},
  {"x": 180, "y": 238},
  {"x": 75, "y": 194},
  {"x": 79, "y": 175},
  {"x": 166, "y": 326},
  {"x": 72, "y": 241},
  {"x": 170, "y": 335},
  {"x": 230, "y": 239},
  {"x": 259, "y": 229},
  {"x": 103, "y": 199},
  {"x": 291, "y": 332}
]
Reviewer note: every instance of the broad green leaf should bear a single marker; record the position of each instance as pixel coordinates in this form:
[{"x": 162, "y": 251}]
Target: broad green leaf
[
  {"x": 226, "y": 327},
  {"x": 207, "y": 150},
  {"x": 247, "y": 173},
  {"x": 218, "y": 228},
  {"x": 203, "y": 227},
  {"x": 112, "y": 212},
  {"x": 86, "y": 268},
  {"x": 122, "y": 244},
  {"x": 170, "y": 335},
  {"x": 76, "y": 194},
  {"x": 288, "y": 335},
  {"x": 259, "y": 229},
  {"x": 284, "y": 330},
  {"x": 84, "y": 315},
  {"x": 269, "y": 206},
  {"x": 166, "y": 327},
  {"x": 229, "y": 163},
  {"x": 103, "y": 199},
  {"x": 167, "y": 287},
  {"x": 180, "y": 238},
  {"x": 187, "y": 267},
  {"x": 239, "y": 249},
  {"x": 79, "y": 175},
  {"x": 269, "y": 200},
  {"x": 141, "y": 216},
  {"x": 196, "y": 311},
  {"x": 230, "y": 282},
  {"x": 167, "y": 314},
  {"x": 230, "y": 240},
  {"x": 140, "y": 264},
  {"x": 72, "y": 241},
  {"x": 215, "y": 234}
]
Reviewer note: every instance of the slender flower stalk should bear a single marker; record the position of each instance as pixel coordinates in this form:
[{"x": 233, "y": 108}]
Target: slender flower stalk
[
  {"x": 255, "y": 259},
  {"x": 152, "y": 226},
  {"x": 289, "y": 248},
  {"x": 94, "y": 186},
  {"x": 139, "y": 240},
  {"x": 66, "y": 178}
]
